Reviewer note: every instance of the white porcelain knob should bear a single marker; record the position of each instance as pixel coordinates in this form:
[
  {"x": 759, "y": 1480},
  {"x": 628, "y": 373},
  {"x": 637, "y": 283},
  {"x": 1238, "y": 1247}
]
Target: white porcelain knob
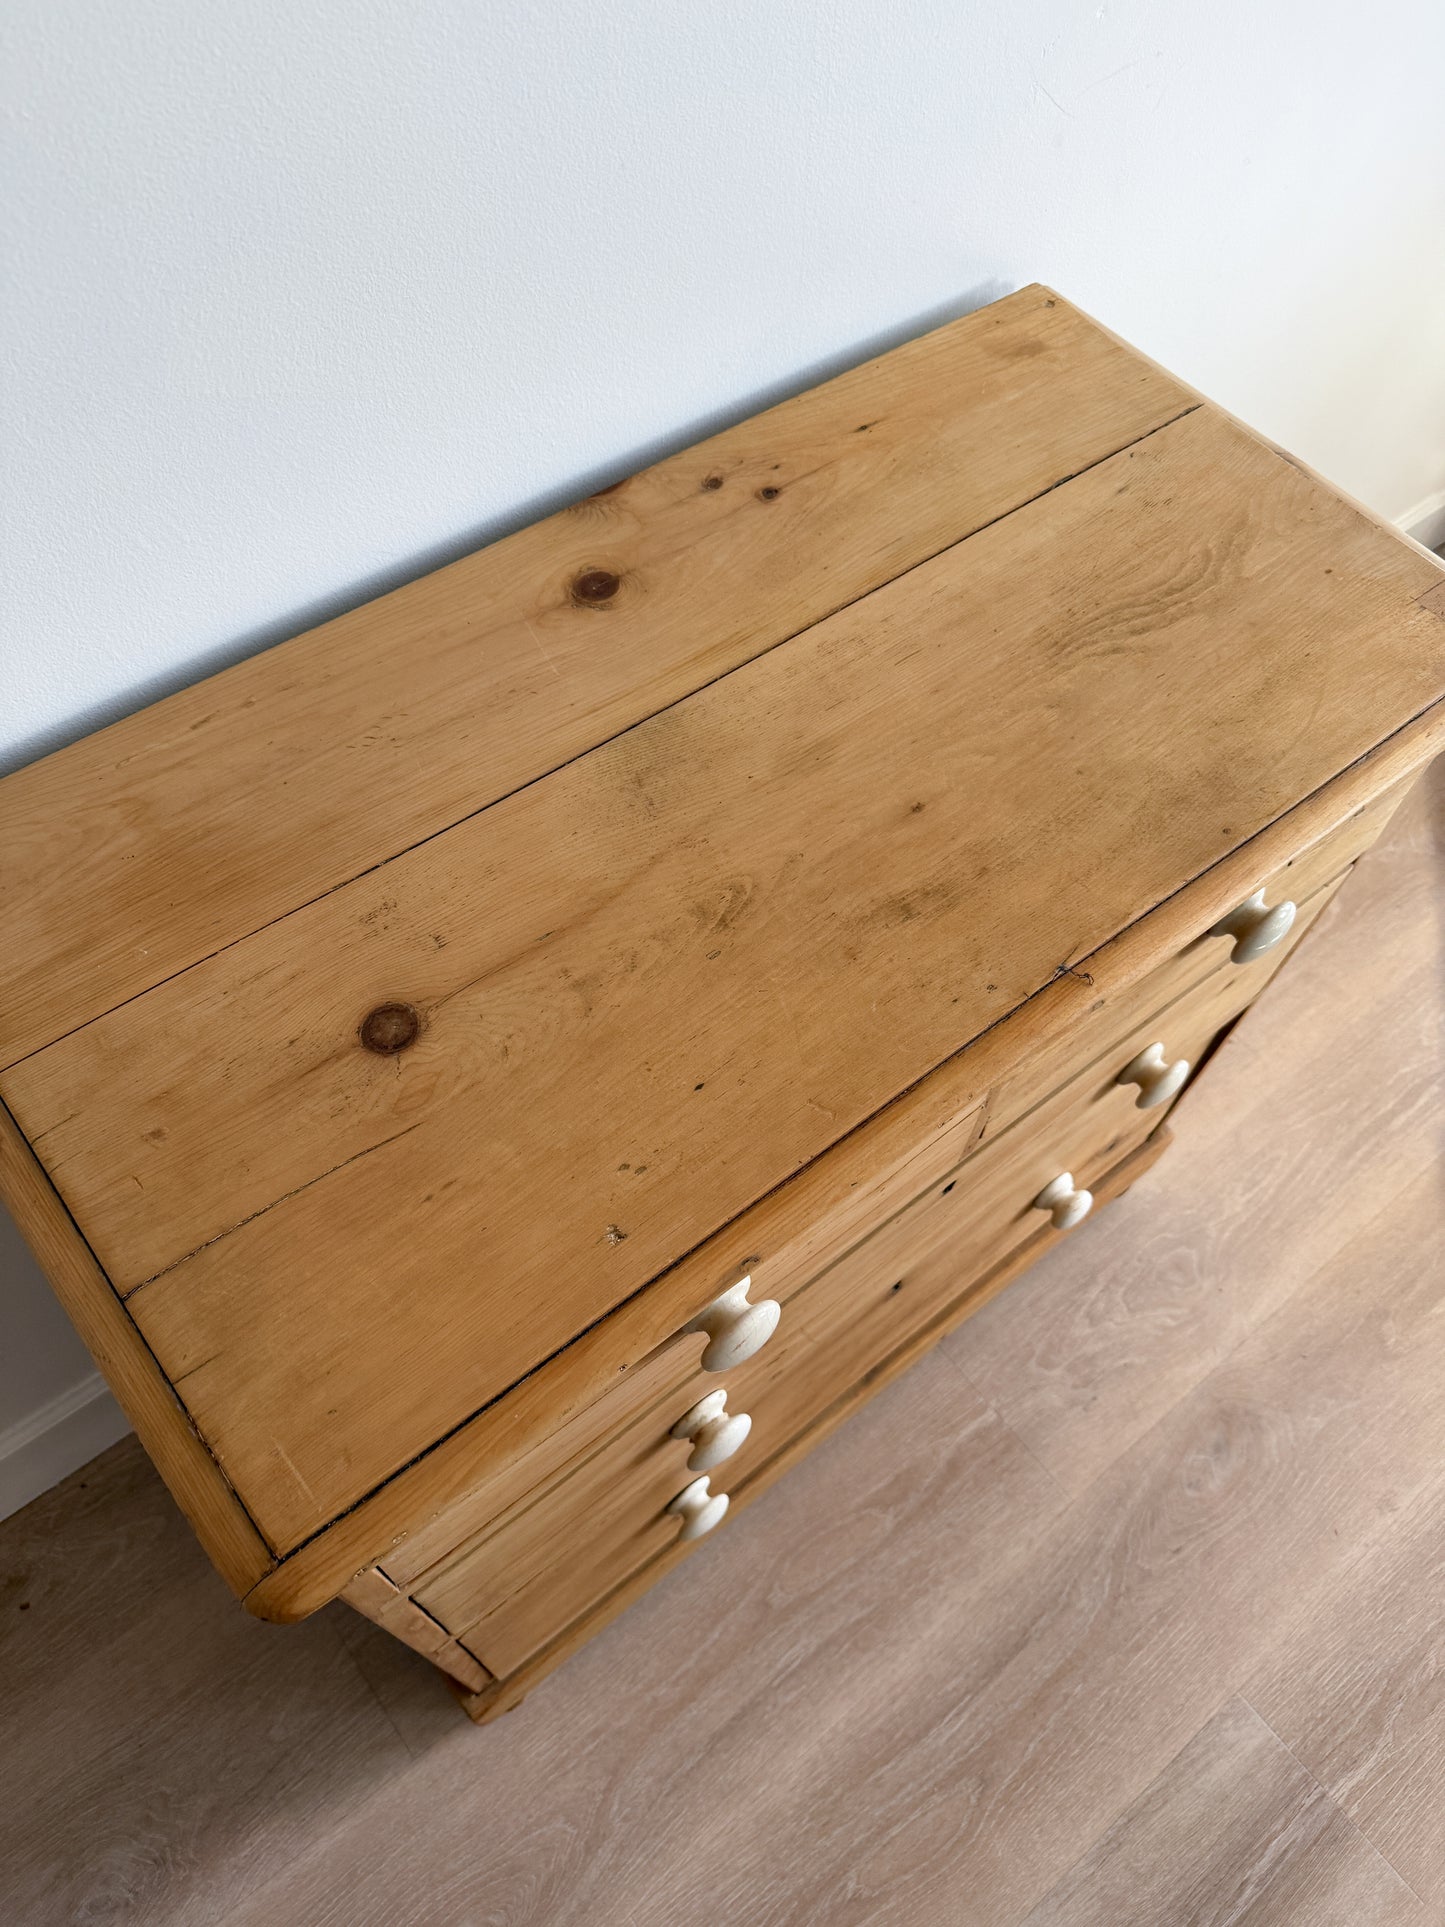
[
  {"x": 699, "y": 1509},
  {"x": 735, "y": 1329},
  {"x": 716, "y": 1433},
  {"x": 1157, "y": 1078},
  {"x": 1254, "y": 928},
  {"x": 1064, "y": 1204}
]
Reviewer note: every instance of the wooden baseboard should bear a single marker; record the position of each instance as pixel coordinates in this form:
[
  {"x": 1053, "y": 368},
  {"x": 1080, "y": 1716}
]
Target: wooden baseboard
[
  {"x": 1425, "y": 523},
  {"x": 501, "y": 1695}
]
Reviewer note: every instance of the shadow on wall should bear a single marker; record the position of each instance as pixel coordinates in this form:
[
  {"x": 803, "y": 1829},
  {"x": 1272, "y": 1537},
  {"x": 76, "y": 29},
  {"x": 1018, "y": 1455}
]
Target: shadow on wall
[{"x": 344, "y": 600}]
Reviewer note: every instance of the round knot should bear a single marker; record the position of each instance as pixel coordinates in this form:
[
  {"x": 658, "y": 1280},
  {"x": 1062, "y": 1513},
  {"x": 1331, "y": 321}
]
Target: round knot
[
  {"x": 596, "y": 585},
  {"x": 390, "y": 1028}
]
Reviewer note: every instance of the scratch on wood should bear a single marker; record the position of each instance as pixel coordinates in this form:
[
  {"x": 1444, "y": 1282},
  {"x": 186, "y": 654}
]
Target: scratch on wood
[
  {"x": 543, "y": 653},
  {"x": 290, "y": 1466}
]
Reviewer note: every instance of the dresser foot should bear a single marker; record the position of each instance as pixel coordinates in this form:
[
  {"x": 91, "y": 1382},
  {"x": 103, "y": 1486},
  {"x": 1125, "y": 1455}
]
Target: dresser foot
[{"x": 501, "y": 1696}]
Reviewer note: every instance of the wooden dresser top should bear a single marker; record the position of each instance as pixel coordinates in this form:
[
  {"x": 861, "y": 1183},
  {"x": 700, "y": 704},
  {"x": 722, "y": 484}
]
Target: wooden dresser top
[{"x": 694, "y": 823}]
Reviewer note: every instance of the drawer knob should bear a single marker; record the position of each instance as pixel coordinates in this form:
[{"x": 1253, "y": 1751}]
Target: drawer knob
[
  {"x": 1064, "y": 1204},
  {"x": 699, "y": 1509},
  {"x": 1254, "y": 928},
  {"x": 716, "y": 1433},
  {"x": 735, "y": 1329},
  {"x": 1158, "y": 1080}
]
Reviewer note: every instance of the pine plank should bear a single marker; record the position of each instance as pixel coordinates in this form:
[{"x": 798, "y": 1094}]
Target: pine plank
[
  {"x": 1308, "y": 881},
  {"x": 155, "y": 842},
  {"x": 193, "y": 1110},
  {"x": 554, "y": 1061}
]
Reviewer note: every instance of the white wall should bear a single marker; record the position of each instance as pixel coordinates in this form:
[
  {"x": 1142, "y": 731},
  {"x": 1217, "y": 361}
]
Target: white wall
[{"x": 313, "y": 293}]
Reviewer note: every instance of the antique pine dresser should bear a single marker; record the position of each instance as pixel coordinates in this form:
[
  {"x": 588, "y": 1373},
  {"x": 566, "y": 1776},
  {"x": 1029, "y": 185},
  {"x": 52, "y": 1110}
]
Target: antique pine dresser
[{"x": 497, "y": 1078}]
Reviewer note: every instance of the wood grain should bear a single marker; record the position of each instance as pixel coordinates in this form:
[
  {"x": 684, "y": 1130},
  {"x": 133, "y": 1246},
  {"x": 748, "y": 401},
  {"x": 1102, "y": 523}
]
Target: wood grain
[
  {"x": 662, "y": 1378},
  {"x": 504, "y": 1433},
  {"x": 615, "y": 1046},
  {"x": 1307, "y": 879},
  {"x": 544, "y": 1567},
  {"x": 529, "y": 936},
  {"x": 907, "y": 1148},
  {"x": 373, "y": 1595},
  {"x": 1356, "y": 1693},
  {"x": 1162, "y": 1003},
  {"x": 221, "y": 1522},
  {"x": 523, "y": 1580},
  {"x": 799, "y": 1742},
  {"x": 157, "y": 841},
  {"x": 1233, "y": 1831}
]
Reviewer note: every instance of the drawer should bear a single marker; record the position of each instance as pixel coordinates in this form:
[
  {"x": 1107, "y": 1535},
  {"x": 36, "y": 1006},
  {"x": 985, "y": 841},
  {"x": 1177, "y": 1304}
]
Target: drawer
[
  {"x": 553, "y": 1555},
  {"x": 518, "y": 1583},
  {"x": 1152, "y": 996},
  {"x": 565, "y": 1447}
]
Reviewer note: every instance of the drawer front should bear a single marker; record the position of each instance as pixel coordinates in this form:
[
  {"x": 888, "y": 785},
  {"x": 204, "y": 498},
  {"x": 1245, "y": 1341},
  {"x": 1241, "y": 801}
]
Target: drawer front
[
  {"x": 519, "y": 1583},
  {"x": 551, "y": 1557},
  {"x": 1308, "y": 881},
  {"x": 565, "y": 1448}
]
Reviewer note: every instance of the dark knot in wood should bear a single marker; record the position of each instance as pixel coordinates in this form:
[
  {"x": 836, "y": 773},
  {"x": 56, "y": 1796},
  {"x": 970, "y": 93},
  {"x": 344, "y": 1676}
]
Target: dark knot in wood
[
  {"x": 390, "y": 1028},
  {"x": 596, "y": 585}
]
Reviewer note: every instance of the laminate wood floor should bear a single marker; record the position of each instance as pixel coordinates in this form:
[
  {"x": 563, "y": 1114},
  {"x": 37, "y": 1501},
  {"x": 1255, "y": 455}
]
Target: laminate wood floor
[{"x": 1125, "y": 1608}]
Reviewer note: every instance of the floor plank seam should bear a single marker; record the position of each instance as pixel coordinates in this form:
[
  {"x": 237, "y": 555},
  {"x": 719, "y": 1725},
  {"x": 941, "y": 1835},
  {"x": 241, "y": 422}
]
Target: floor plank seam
[
  {"x": 1334, "y": 1804},
  {"x": 1124, "y": 1809},
  {"x": 993, "y": 1411},
  {"x": 375, "y": 1697}
]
